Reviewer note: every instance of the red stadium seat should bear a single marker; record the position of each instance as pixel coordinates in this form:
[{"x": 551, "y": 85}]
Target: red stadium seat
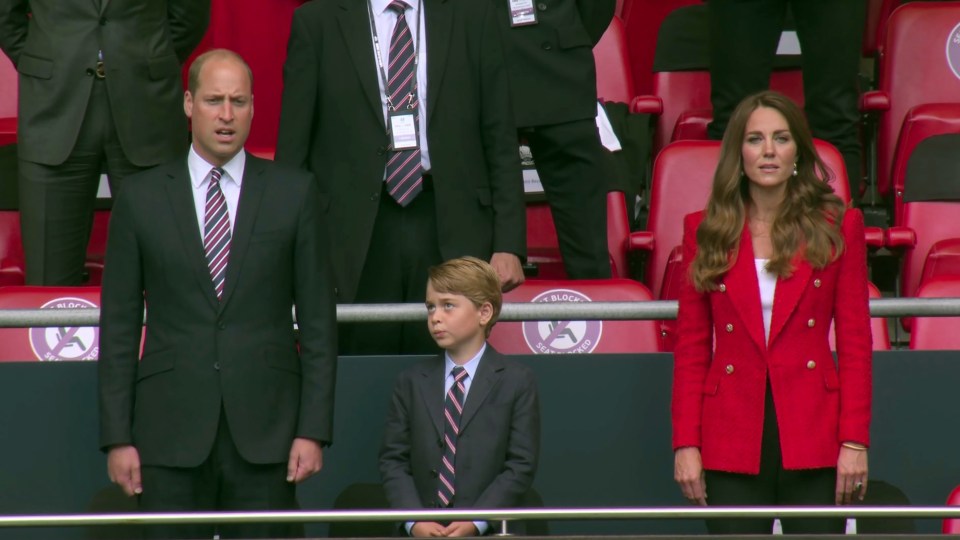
[
  {"x": 937, "y": 333},
  {"x": 919, "y": 64},
  {"x": 923, "y": 225},
  {"x": 8, "y": 102},
  {"x": 49, "y": 344},
  {"x": 952, "y": 525},
  {"x": 878, "y": 327},
  {"x": 878, "y": 11},
  {"x": 560, "y": 337},
  {"x": 642, "y": 20},
  {"x": 11, "y": 249},
  {"x": 942, "y": 260},
  {"x": 97, "y": 247},
  {"x": 614, "y": 80}
]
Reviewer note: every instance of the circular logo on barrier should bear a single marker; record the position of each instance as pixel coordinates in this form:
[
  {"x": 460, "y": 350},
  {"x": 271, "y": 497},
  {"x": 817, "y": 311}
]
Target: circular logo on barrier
[
  {"x": 953, "y": 50},
  {"x": 562, "y": 337},
  {"x": 58, "y": 343}
]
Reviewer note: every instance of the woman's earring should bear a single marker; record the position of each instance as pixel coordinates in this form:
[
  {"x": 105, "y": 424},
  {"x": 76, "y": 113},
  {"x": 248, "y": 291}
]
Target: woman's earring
[{"x": 794, "y": 169}]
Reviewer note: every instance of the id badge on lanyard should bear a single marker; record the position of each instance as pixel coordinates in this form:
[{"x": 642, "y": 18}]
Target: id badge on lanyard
[
  {"x": 403, "y": 129},
  {"x": 522, "y": 13}
]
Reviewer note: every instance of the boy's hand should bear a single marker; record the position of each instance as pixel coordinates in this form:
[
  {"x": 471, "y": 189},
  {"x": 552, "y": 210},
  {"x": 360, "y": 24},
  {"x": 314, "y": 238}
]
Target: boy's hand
[
  {"x": 306, "y": 458},
  {"x": 461, "y": 528},
  {"x": 427, "y": 529}
]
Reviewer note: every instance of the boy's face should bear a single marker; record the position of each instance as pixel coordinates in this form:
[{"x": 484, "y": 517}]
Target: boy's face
[{"x": 456, "y": 324}]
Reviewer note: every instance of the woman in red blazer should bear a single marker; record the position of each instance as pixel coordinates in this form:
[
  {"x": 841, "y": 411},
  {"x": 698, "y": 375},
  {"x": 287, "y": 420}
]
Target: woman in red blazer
[{"x": 762, "y": 414}]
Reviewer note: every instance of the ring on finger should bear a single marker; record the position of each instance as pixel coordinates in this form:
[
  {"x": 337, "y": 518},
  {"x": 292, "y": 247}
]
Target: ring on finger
[{"x": 858, "y": 486}]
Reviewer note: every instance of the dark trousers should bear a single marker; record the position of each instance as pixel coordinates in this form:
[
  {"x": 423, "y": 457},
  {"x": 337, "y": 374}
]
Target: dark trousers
[
  {"x": 57, "y": 201},
  {"x": 225, "y": 481},
  {"x": 773, "y": 486},
  {"x": 573, "y": 171},
  {"x": 743, "y": 42},
  {"x": 404, "y": 246}
]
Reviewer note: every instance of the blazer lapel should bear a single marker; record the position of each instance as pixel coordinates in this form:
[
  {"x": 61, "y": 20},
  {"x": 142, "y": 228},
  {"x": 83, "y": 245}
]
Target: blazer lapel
[
  {"x": 180, "y": 194},
  {"x": 438, "y": 19},
  {"x": 488, "y": 376},
  {"x": 431, "y": 392},
  {"x": 251, "y": 193},
  {"x": 788, "y": 294},
  {"x": 744, "y": 289},
  {"x": 354, "y": 22}
]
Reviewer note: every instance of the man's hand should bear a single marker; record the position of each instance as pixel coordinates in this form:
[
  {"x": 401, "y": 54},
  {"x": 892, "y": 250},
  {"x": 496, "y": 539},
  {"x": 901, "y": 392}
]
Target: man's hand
[
  {"x": 123, "y": 467},
  {"x": 461, "y": 528},
  {"x": 508, "y": 269},
  {"x": 306, "y": 458},
  {"x": 427, "y": 529}
]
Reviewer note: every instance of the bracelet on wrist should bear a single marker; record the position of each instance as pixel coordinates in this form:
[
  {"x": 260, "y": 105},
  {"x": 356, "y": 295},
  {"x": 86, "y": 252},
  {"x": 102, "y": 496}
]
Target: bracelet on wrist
[{"x": 853, "y": 446}]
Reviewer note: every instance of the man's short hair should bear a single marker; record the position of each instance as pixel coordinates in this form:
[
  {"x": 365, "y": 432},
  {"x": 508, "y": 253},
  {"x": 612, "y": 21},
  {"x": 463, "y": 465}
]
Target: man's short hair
[
  {"x": 470, "y": 277},
  {"x": 193, "y": 75}
]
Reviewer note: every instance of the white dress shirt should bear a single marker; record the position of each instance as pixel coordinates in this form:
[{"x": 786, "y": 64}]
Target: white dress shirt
[
  {"x": 385, "y": 20},
  {"x": 229, "y": 184}
]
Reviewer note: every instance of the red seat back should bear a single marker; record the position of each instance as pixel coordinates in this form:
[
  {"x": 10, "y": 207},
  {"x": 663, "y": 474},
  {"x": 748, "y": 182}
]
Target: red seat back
[
  {"x": 8, "y": 102},
  {"x": 919, "y": 63},
  {"x": 11, "y": 249},
  {"x": 878, "y": 11},
  {"x": 952, "y": 525},
  {"x": 942, "y": 260},
  {"x": 54, "y": 343},
  {"x": 559, "y": 337},
  {"x": 642, "y": 19},
  {"x": 937, "y": 333},
  {"x": 931, "y": 222},
  {"x": 614, "y": 80}
]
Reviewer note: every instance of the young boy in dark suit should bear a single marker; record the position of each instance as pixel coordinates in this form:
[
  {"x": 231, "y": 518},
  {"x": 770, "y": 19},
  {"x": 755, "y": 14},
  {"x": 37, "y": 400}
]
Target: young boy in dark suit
[{"x": 463, "y": 428}]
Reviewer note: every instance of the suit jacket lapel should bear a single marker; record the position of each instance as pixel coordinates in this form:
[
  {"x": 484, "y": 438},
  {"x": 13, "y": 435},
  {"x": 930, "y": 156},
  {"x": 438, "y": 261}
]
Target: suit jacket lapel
[
  {"x": 788, "y": 294},
  {"x": 488, "y": 376},
  {"x": 180, "y": 193},
  {"x": 251, "y": 193},
  {"x": 431, "y": 392},
  {"x": 354, "y": 22},
  {"x": 744, "y": 289},
  {"x": 438, "y": 19}
]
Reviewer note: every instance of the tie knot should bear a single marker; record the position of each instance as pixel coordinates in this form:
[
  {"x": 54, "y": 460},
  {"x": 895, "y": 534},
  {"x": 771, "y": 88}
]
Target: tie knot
[
  {"x": 216, "y": 174},
  {"x": 398, "y": 7},
  {"x": 459, "y": 373}
]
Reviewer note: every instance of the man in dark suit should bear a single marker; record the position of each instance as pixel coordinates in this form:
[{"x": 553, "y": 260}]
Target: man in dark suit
[
  {"x": 99, "y": 91},
  {"x": 222, "y": 411},
  {"x": 343, "y": 89},
  {"x": 553, "y": 83}
]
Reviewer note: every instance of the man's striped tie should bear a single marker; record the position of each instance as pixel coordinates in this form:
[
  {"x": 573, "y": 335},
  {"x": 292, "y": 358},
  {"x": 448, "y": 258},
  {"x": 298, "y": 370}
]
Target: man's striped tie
[
  {"x": 453, "y": 409},
  {"x": 404, "y": 172},
  {"x": 216, "y": 231}
]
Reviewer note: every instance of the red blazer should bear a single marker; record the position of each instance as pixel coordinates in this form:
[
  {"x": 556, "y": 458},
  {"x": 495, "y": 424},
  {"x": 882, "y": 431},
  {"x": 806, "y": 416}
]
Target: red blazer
[{"x": 719, "y": 388}]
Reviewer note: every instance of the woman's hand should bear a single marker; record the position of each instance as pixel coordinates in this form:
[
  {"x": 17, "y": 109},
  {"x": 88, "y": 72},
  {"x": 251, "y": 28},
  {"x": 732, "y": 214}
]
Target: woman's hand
[
  {"x": 688, "y": 472},
  {"x": 851, "y": 474}
]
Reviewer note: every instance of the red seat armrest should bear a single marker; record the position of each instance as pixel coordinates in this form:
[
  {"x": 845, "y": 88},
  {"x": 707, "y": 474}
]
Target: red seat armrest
[
  {"x": 874, "y": 237},
  {"x": 901, "y": 237},
  {"x": 874, "y": 101},
  {"x": 641, "y": 240},
  {"x": 647, "y": 105}
]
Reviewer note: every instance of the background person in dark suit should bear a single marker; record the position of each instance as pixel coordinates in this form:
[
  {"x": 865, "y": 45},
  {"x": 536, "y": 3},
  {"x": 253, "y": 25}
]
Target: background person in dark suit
[
  {"x": 222, "y": 412},
  {"x": 553, "y": 85},
  {"x": 99, "y": 91},
  {"x": 334, "y": 122},
  {"x": 762, "y": 414},
  {"x": 467, "y": 439}
]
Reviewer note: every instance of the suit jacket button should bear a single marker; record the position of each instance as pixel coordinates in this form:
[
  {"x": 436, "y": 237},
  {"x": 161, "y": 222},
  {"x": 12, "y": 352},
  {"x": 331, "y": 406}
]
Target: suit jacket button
[
  {"x": 541, "y": 6},
  {"x": 811, "y": 323},
  {"x": 817, "y": 283},
  {"x": 103, "y": 21},
  {"x": 433, "y": 473},
  {"x": 723, "y": 288},
  {"x": 222, "y": 325},
  {"x": 729, "y": 327},
  {"x": 216, "y": 366},
  {"x": 546, "y": 46},
  {"x": 811, "y": 364},
  {"x": 729, "y": 369},
  {"x": 375, "y": 196},
  {"x": 381, "y": 150}
]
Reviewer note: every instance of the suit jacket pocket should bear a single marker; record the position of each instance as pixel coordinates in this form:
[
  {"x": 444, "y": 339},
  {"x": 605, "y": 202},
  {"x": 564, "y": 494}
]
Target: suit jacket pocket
[
  {"x": 34, "y": 66},
  {"x": 829, "y": 371},
  {"x": 156, "y": 363},
  {"x": 569, "y": 37},
  {"x": 712, "y": 383},
  {"x": 283, "y": 359},
  {"x": 162, "y": 67}
]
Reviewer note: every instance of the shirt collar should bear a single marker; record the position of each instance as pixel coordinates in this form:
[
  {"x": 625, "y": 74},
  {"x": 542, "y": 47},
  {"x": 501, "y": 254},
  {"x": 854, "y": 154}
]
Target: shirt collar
[
  {"x": 200, "y": 168},
  {"x": 380, "y": 6},
  {"x": 470, "y": 366}
]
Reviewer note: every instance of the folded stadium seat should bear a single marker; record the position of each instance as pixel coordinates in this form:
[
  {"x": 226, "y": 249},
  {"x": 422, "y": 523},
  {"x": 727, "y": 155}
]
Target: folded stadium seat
[
  {"x": 52, "y": 344},
  {"x": 878, "y": 11},
  {"x": 680, "y": 94},
  {"x": 8, "y": 102},
  {"x": 936, "y": 333},
  {"x": 643, "y": 20},
  {"x": 11, "y": 249},
  {"x": 921, "y": 123},
  {"x": 573, "y": 336},
  {"x": 97, "y": 247},
  {"x": 682, "y": 180},
  {"x": 919, "y": 64},
  {"x": 952, "y": 525}
]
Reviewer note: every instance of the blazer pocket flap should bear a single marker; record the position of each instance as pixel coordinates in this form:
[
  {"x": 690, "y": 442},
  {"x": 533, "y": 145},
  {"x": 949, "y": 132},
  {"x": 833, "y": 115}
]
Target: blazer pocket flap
[
  {"x": 282, "y": 358},
  {"x": 484, "y": 196},
  {"x": 712, "y": 383},
  {"x": 162, "y": 67},
  {"x": 569, "y": 37},
  {"x": 34, "y": 66},
  {"x": 156, "y": 363}
]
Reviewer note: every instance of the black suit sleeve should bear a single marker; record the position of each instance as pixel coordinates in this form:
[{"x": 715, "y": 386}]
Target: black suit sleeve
[
  {"x": 188, "y": 23},
  {"x": 121, "y": 322},
  {"x": 500, "y": 143},
  {"x": 398, "y": 483},
  {"x": 596, "y": 16},
  {"x": 13, "y": 27},
  {"x": 316, "y": 318},
  {"x": 298, "y": 104},
  {"x": 523, "y": 451}
]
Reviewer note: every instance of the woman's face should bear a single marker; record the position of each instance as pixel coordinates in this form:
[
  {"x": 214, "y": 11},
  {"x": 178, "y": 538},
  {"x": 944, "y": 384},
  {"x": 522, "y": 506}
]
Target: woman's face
[{"x": 769, "y": 151}]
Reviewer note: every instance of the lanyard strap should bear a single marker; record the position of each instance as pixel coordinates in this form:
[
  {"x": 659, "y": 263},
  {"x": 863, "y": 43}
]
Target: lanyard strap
[{"x": 376, "y": 49}]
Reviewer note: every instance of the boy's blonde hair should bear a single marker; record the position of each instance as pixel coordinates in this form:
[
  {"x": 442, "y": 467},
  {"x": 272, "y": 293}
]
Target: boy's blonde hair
[{"x": 470, "y": 277}]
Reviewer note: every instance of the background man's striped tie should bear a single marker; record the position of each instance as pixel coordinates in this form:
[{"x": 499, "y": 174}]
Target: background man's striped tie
[
  {"x": 404, "y": 172},
  {"x": 216, "y": 231}
]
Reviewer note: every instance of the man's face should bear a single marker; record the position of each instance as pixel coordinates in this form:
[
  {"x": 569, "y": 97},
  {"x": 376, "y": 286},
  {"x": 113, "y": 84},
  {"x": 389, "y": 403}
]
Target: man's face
[{"x": 221, "y": 110}]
